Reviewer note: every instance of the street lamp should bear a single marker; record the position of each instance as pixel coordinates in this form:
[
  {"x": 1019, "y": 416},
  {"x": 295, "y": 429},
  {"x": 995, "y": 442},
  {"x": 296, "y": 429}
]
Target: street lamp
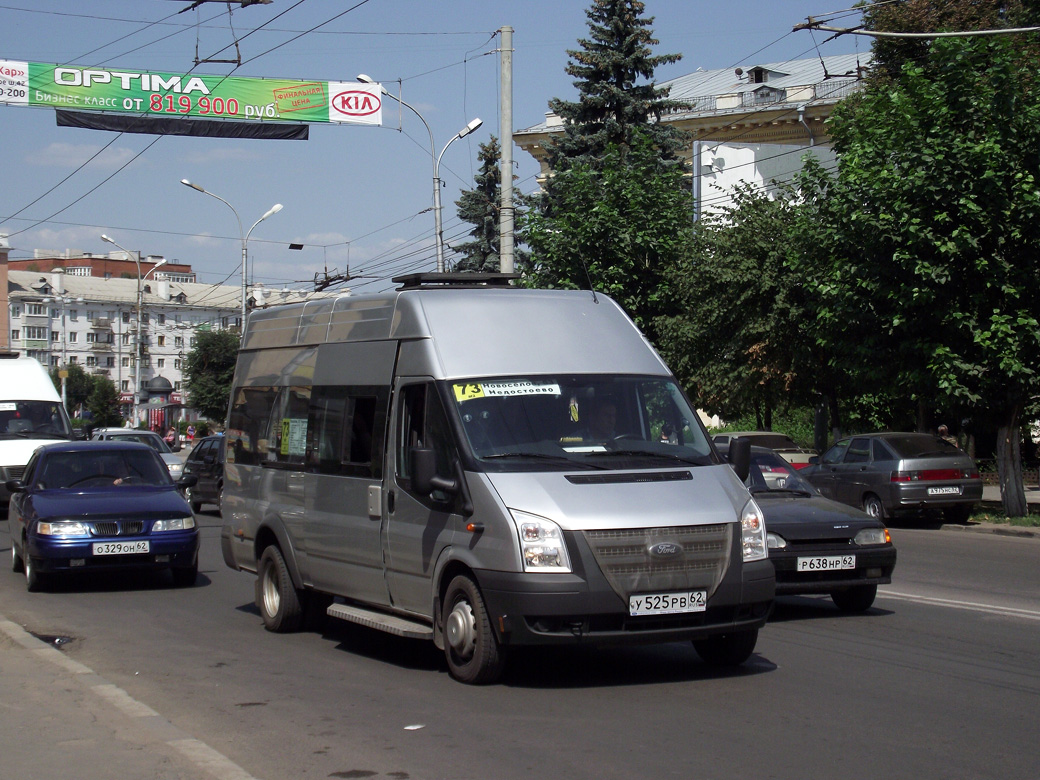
[
  {"x": 244, "y": 236},
  {"x": 473, "y": 125},
  {"x": 64, "y": 371},
  {"x": 137, "y": 338}
]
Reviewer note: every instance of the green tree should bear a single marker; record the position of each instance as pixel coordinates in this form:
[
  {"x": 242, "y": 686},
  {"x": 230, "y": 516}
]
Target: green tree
[
  {"x": 932, "y": 230},
  {"x": 480, "y": 208},
  {"x": 612, "y": 102},
  {"x": 209, "y": 371},
  {"x": 103, "y": 403},
  {"x": 616, "y": 228},
  {"x": 78, "y": 384},
  {"x": 738, "y": 342}
]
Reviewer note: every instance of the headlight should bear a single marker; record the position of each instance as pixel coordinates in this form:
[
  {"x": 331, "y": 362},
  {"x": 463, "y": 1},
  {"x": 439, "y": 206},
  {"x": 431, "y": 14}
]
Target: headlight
[
  {"x": 541, "y": 543},
  {"x": 753, "y": 533},
  {"x": 176, "y": 524},
  {"x": 775, "y": 541},
  {"x": 176, "y": 469},
  {"x": 873, "y": 536},
  {"x": 63, "y": 528}
]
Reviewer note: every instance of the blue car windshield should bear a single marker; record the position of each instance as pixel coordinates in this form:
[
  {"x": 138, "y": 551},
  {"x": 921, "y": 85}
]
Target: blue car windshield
[{"x": 102, "y": 468}]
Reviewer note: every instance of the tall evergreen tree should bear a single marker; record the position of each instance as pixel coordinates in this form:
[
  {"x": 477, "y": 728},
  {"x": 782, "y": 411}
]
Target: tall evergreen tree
[
  {"x": 209, "y": 371},
  {"x": 612, "y": 104},
  {"x": 480, "y": 207},
  {"x": 103, "y": 403}
]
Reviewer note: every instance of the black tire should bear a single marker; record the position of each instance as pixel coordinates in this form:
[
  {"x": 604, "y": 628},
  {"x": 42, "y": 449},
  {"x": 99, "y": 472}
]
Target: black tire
[
  {"x": 858, "y": 598},
  {"x": 872, "y": 506},
  {"x": 189, "y": 496},
  {"x": 958, "y": 514},
  {"x": 727, "y": 649},
  {"x": 34, "y": 580},
  {"x": 185, "y": 576},
  {"x": 276, "y": 597},
  {"x": 470, "y": 644},
  {"x": 16, "y": 559},
  {"x": 220, "y": 496}
]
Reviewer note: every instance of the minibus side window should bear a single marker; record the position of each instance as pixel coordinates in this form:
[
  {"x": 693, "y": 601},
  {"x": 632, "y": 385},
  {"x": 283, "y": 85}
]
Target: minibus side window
[
  {"x": 287, "y": 435},
  {"x": 422, "y": 423},
  {"x": 248, "y": 424},
  {"x": 341, "y": 432}
]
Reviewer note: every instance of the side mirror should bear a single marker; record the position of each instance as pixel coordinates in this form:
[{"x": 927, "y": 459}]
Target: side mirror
[
  {"x": 740, "y": 457},
  {"x": 814, "y": 460},
  {"x": 187, "y": 481},
  {"x": 425, "y": 479},
  {"x": 14, "y": 486}
]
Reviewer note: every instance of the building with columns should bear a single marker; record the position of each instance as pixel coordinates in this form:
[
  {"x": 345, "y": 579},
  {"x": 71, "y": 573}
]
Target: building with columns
[{"x": 747, "y": 124}]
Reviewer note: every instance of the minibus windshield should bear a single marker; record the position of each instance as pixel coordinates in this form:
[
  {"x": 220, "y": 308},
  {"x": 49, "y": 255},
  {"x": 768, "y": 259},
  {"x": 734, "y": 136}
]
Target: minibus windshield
[
  {"x": 558, "y": 421},
  {"x": 33, "y": 420}
]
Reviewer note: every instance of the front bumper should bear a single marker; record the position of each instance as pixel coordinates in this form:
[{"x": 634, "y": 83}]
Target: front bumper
[
  {"x": 170, "y": 549},
  {"x": 874, "y": 566},
  {"x": 554, "y": 609}
]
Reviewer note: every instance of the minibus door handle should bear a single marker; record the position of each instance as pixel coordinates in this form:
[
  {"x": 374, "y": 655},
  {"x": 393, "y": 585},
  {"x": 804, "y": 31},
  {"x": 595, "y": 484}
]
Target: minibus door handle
[{"x": 390, "y": 501}]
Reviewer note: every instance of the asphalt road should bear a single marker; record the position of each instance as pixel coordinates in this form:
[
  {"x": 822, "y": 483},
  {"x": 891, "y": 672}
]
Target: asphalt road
[{"x": 940, "y": 680}]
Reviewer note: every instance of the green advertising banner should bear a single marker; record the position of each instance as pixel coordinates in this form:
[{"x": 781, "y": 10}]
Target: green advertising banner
[{"x": 199, "y": 96}]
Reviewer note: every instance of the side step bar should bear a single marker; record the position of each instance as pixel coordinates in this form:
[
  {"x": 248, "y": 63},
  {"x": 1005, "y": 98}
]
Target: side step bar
[{"x": 392, "y": 624}]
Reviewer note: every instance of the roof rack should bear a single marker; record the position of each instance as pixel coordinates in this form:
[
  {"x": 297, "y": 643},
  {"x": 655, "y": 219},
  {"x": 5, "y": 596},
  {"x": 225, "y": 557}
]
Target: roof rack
[{"x": 436, "y": 281}]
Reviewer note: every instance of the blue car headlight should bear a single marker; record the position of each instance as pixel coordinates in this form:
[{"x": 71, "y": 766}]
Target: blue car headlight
[
  {"x": 174, "y": 524},
  {"x": 63, "y": 528}
]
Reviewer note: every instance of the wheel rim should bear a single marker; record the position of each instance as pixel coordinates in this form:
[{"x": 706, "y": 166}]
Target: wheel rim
[
  {"x": 874, "y": 508},
  {"x": 272, "y": 596},
  {"x": 461, "y": 630}
]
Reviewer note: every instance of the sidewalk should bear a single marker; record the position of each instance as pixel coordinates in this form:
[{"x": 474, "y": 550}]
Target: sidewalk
[{"x": 61, "y": 719}]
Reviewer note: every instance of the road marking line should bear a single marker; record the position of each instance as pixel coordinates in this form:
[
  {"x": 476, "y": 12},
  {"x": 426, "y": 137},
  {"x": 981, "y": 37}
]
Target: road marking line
[{"x": 1028, "y": 614}]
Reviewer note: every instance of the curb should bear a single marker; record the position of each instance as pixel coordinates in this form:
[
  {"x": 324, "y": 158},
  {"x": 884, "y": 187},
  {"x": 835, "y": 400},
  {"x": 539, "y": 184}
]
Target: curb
[{"x": 995, "y": 529}]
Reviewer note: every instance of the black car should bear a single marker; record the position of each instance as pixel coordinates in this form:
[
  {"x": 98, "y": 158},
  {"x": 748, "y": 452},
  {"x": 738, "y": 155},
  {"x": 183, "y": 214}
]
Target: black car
[
  {"x": 206, "y": 462},
  {"x": 818, "y": 545},
  {"x": 887, "y": 474}
]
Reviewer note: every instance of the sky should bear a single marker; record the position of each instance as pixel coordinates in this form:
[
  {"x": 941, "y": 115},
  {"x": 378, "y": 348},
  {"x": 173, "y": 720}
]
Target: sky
[{"x": 359, "y": 198}]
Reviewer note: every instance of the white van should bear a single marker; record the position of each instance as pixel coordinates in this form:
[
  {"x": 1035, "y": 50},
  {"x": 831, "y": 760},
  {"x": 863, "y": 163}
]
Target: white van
[
  {"x": 486, "y": 467},
  {"x": 31, "y": 414}
]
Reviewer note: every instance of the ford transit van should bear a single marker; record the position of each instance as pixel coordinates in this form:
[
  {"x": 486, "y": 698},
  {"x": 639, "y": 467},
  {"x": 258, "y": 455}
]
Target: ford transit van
[
  {"x": 486, "y": 467},
  {"x": 31, "y": 414}
]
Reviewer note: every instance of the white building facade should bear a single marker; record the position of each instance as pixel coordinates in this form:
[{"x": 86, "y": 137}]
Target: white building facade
[{"x": 63, "y": 319}]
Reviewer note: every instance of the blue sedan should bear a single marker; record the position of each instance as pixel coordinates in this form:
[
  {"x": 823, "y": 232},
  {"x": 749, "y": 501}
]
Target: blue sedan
[{"x": 89, "y": 506}]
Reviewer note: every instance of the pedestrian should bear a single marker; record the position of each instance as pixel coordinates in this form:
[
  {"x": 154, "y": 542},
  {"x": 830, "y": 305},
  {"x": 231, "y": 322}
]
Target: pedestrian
[
  {"x": 944, "y": 434},
  {"x": 191, "y": 432}
]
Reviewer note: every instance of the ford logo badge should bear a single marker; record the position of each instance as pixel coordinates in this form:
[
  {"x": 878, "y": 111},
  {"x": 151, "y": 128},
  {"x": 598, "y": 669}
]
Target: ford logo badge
[{"x": 665, "y": 549}]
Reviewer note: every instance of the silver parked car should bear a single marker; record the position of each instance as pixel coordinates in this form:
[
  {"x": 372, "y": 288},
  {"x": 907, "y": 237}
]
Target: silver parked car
[
  {"x": 155, "y": 441},
  {"x": 891, "y": 473}
]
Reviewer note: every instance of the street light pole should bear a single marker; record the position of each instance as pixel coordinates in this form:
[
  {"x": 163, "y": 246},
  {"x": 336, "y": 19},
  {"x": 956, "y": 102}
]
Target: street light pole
[
  {"x": 140, "y": 322},
  {"x": 244, "y": 236},
  {"x": 436, "y": 164}
]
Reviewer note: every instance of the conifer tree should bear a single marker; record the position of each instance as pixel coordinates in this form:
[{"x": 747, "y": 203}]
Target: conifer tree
[
  {"x": 612, "y": 103},
  {"x": 480, "y": 207}
]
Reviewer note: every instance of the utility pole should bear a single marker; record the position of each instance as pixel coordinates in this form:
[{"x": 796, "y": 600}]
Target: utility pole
[{"x": 505, "y": 214}]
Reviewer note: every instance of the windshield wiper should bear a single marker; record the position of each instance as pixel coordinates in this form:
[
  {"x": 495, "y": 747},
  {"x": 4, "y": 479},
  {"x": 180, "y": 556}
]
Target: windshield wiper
[
  {"x": 650, "y": 454},
  {"x": 796, "y": 491},
  {"x": 539, "y": 455}
]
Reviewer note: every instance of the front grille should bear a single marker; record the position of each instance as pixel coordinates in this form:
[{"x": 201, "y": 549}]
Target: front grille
[
  {"x": 625, "y": 559},
  {"x": 117, "y": 527}
]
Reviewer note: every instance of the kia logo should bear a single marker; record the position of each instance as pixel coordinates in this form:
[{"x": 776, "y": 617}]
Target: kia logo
[
  {"x": 665, "y": 549},
  {"x": 356, "y": 103}
]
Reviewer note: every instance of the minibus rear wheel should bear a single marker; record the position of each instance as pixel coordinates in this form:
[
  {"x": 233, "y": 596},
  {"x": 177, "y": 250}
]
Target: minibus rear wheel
[
  {"x": 277, "y": 599},
  {"x": 470, "y": 644}
]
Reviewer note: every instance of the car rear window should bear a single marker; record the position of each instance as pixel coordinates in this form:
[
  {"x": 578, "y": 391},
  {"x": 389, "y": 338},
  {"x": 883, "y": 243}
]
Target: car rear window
[{"x": 918, "y": 445}]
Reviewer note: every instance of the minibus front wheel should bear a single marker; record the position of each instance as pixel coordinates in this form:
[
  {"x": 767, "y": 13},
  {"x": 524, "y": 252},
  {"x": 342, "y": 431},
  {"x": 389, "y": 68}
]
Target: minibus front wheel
[
  {"x": 470, "y": 644},
  {"x": 277, "y": 599}
]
